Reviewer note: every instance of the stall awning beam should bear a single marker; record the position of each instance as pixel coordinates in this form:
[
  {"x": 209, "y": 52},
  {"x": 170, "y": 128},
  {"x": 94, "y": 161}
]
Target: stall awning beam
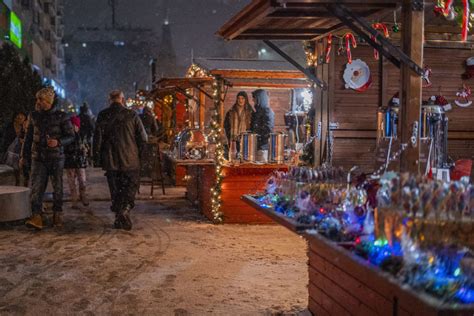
[
  {"x": 288, "y": 58},
  {"x": 384, "y": 46}
]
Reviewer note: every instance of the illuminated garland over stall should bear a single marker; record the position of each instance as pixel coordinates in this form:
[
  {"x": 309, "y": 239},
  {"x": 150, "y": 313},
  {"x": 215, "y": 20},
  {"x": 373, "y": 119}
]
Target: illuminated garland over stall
[{"x": 214, "y": 136}]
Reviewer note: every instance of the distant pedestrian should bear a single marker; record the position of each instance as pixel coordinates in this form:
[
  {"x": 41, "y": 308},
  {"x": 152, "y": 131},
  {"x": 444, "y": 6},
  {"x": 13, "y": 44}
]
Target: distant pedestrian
[
  {"x": 75, "y": 165},
  {"x": 149, "y": 122},
  {"x": 11, "y": 144},
  {"x": 118, "y": 139},
  {"x": 87, "y": 127},
  {"x": 49, "y": 130}
]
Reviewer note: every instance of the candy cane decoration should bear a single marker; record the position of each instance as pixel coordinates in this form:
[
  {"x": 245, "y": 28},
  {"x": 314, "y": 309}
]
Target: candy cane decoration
[
  {"x": 447, "y": 7},
  {"x": 350, "y": 39},
  {"x": 328, "y": 49},
  {"x": 384, "y": 29},
  {"x": 465, "y": 20}
]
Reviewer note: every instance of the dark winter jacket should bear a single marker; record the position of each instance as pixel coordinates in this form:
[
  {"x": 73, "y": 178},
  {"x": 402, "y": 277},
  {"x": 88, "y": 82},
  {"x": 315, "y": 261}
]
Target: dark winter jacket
[
  {"x": 8, "y": 136},
  {"x": 263, "y": 119},
  {"x": 76, "y": 155},
  {"x": 118, "y": 139},
  {"x": 43, "y": 124},
  {"x": 86, "y": 130},
  {"x": 149, "y": 122}
]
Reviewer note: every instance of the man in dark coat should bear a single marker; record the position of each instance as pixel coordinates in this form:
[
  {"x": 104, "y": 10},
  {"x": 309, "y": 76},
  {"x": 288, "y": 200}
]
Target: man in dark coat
[
  {"x": 86, "y": 130},
  {"x": 48, "y": 131},
  {"x": 118, "y": 139},
  {"x": 87, "y": 123},
  {"x": 263, "y": 119}
]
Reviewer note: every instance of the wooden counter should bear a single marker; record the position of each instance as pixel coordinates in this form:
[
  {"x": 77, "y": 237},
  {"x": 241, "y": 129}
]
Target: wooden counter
[
  {"x": 341, "y": 283},
  {"x": 238, "y": 180}
]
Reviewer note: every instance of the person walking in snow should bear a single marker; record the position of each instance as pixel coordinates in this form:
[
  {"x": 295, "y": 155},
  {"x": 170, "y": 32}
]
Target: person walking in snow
[
  {"x": 118, "y": 140},
  {"x": 48, "y": 131},
  {"x": 75, "y": 165}
]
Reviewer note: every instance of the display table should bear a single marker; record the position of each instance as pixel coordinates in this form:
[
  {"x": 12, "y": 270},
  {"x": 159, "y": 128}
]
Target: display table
[
  {"x": 238, "y": 180},
  {"x": 176, "y": 168},
  {"x": 341, "y": 283}
]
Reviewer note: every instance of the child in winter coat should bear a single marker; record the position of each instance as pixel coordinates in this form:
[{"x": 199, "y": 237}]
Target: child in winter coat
[{"x": 75, "y": 165}]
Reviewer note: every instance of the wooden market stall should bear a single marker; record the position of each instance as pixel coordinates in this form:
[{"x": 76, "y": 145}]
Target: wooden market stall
[
  {"x": 355, "y": 112},
  {"x": 420, "y": 44},
  {"x": 279, "y": 80},
  {"x": 172, "y": 99}
]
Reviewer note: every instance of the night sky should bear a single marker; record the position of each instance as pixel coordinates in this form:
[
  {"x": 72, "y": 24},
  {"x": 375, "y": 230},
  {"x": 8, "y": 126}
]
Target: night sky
[{"x": 193, "y": 22}]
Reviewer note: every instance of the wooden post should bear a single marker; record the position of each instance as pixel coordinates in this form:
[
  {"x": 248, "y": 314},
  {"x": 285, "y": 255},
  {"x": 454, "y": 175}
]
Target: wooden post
[
  {"x": 383, "y": 80},
  {"x": 202, "y": 110},
  {"x": 411, "y": 84},
  {"x": 317, "y": 104},
  {"x": 331, "y": 77},
  {"x": 324, "y": 107},
  {"x": 221, "y": 93}
]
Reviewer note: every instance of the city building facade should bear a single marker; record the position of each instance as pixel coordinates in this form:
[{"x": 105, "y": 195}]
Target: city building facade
[{"x": 36, "y": 29}]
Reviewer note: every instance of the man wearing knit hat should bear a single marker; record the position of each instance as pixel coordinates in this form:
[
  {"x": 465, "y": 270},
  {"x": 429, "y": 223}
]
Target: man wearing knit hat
[{"x": 49, "y": 130}]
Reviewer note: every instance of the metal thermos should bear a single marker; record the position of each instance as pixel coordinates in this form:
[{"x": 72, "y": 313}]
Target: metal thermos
[
  {"x": 276, "y": 147},
  {"x": 248, "y": 147},
  {"x": 387, "y": 121},
  {"x": 434, "y": 126}
]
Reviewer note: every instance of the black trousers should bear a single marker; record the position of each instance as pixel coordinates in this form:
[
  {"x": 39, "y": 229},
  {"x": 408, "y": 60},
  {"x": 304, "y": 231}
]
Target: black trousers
[
  {"x": 123, "y": 186},
  {"x": 41, "y": 171}
]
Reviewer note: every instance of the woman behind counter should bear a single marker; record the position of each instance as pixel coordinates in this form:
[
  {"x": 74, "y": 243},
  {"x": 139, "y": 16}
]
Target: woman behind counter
[
  {"x": 263, "y": 119},
  {"x": 237, "y": 119}
]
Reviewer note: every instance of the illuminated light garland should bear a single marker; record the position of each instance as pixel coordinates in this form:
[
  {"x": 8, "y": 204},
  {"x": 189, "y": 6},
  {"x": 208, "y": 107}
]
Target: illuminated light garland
[
  {"x": 311, "y": 56},
  {"x": 215, "y": 135},
  {"x": 195, "y": 71}
]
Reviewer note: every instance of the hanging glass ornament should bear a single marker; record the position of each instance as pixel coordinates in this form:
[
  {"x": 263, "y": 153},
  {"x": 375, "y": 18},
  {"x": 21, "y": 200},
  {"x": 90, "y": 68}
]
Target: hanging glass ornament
[{"x": 396, "y": 26}]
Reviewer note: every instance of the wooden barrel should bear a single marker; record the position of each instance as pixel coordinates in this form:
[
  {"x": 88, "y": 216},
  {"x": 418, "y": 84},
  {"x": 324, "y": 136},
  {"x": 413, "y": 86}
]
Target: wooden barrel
[{"x": 14, "y": 203}]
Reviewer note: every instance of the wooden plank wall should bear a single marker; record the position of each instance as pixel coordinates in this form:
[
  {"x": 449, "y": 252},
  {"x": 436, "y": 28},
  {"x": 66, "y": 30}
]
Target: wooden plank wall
[{"x": 356, "y": 112}]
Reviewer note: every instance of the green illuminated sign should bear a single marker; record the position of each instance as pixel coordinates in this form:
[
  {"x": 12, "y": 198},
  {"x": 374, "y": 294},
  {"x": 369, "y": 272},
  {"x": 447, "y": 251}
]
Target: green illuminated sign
[{"x": 15, "y": 29}]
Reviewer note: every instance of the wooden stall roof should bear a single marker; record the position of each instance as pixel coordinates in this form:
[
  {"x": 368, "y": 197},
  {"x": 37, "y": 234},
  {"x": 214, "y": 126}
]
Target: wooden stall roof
[
  {"x": 296, "y": 19},
  {"x": 183, "y": 83},
  {"x": 313, "y": 19},
  {"x": 254, "y": 72}
]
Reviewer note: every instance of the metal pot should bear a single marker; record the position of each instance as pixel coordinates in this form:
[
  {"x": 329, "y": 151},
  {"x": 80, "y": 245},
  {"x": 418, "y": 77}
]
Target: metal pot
[
  {"x": 276, "y": 147},
  {"x": 191, "y": 144},
  {"x": 248, "y": 146}
]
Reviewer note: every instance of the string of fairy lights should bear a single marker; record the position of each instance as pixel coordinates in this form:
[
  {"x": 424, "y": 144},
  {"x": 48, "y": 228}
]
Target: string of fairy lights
[{"x": 215, "y": 137}]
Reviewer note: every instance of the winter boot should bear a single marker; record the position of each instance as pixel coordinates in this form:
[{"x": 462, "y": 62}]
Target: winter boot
[
  {"x": 118, "y": 222},
  {"x": 125, "y": 220},
  {"x": 58, "y": 219},
  {"x": 35, "y": 221},
  {"x": 84, "y": 199}
]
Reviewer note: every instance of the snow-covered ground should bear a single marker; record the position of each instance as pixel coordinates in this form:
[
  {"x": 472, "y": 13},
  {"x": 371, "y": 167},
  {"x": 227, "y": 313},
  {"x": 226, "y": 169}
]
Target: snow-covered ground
[{"x": 174, "y": 262}]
